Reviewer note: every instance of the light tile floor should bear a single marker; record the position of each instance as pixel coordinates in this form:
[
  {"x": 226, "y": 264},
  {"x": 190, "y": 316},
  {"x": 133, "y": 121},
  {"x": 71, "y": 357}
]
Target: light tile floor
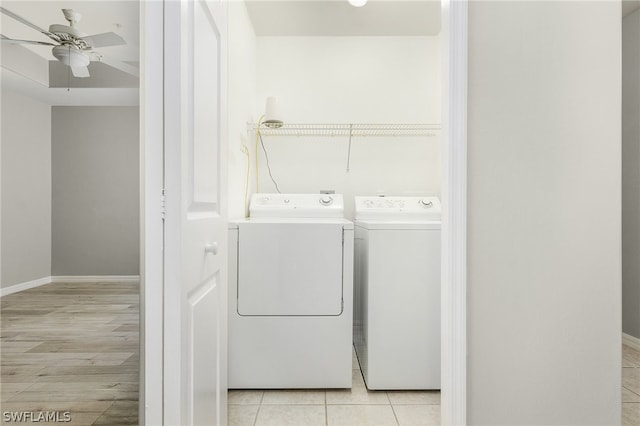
[
  {"x": 630, "y": 386},
  {"x": 360, "y": 407},
  {"x": 334, "y": 407}
]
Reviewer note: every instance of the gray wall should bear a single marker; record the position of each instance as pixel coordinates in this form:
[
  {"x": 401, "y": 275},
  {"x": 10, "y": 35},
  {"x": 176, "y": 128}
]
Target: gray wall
[
  {"x": 544, "y": 225},
  {"x": 631, "y": 174},
  {"x": 26, "y": 189},
  {"x": 95, "y": 209}
]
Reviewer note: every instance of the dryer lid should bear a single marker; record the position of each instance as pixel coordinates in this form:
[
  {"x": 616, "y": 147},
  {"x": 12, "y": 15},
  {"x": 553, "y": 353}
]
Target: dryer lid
[{"x": 398, "y": 208}]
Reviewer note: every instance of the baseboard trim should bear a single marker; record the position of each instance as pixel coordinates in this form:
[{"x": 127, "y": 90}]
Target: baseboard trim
[
  {"x": 631, "y": 341},
  {"x": 24, "y": 286},
  {"x": 102, "y": 279},
  {"x": 96, "y": 279}
]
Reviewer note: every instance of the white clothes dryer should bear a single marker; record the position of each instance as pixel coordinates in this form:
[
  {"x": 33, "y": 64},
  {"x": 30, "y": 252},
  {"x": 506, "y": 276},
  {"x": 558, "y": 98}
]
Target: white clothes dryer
[
  {"x": 291, "y": 294},
  {"x": 397, "y": 291}
]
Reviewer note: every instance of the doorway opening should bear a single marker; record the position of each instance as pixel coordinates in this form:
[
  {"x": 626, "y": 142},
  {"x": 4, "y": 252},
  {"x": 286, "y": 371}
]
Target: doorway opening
[
  {"x": 453, "y": 158},
  {"x": 70, "y": 209}
]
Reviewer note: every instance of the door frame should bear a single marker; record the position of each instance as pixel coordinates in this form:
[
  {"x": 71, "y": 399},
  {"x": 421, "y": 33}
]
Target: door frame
[
  {"x": 454, "y": 214},
  {"x": 151, "y": 395}
]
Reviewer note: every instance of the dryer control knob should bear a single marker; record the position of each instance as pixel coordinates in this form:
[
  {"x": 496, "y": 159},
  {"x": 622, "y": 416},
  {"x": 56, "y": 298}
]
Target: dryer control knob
[
  {"x": 425, "y": 203},
  {"x": 326, "y": 201}
]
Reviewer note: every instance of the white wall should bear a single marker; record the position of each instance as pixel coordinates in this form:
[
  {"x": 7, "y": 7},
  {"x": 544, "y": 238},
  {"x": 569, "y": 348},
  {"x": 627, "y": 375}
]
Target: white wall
[
  {"x": 631, "y": 174},
  {"x": 242, "y": 89},
  {"x": 26, "y": 189},
  {"x": 544, "y": 213},
  {"x": 351, "y": 80},
  {"x": 95, "y": 211}
]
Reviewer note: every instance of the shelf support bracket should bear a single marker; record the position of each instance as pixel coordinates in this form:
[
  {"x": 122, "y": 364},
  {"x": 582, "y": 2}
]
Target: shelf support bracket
[{"x": 349, "y": 149}]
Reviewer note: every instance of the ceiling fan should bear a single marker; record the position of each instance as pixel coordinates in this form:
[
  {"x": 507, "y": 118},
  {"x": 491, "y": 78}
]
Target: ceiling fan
[{"x": 72, "y": 47}]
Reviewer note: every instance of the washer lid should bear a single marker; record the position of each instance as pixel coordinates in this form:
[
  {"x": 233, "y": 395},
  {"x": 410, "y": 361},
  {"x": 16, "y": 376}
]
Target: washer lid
[
  {"x": 398, "y": 208},
  {"x": 296, "y": 205}
]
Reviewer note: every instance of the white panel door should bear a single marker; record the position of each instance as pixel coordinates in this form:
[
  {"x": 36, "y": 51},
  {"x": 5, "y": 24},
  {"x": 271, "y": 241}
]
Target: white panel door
[{"x": 195, "y": 224}]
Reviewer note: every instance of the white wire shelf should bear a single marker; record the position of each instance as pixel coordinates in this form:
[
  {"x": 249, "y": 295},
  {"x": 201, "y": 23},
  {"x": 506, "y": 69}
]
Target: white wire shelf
[{"x": 354, "y": 130}]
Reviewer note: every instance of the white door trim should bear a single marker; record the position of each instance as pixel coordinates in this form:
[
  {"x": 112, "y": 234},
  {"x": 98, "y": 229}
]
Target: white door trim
[
  {"x": 454, "y": 213},
  {"x": 152, "y": 227}
]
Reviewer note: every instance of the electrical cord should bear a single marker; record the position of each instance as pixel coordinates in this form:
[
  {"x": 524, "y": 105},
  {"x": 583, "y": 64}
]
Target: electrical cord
[
  {"x": 255, "y": 150},
  {"x": 268, "y": 166},
  {"x": 245, "y": 151}
]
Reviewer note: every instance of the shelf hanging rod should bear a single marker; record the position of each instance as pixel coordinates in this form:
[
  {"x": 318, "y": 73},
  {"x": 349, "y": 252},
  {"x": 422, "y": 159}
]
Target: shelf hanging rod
[{"x": 351, "y": 130}]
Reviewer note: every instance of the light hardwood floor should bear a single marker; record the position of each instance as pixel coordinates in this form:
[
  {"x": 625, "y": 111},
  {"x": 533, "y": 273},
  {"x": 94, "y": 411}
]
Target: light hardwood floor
[
  {"x": 71, "y": 348},
  {"x": 630, "y": 386}
]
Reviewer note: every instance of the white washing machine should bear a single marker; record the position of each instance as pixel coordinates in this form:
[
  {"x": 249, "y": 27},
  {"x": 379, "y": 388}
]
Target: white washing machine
[
  {"x": 291, "y": 294},
  {"x": 397, "y": 291}
]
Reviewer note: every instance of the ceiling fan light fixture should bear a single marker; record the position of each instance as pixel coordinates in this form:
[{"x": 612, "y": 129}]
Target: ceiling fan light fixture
[
  {"x": 357, "y": 3},
  {"x": 71, "y": 56}
]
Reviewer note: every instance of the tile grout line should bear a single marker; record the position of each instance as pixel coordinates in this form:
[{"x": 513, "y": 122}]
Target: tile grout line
[
  {"x": 326, "y": 409},
  {"x": 255, "y": 420},
  {"x": 393, "y": 410}
]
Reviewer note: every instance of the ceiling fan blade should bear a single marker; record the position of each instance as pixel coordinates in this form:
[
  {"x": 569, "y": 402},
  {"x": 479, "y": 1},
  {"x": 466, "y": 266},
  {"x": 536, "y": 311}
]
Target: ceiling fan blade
[
  {"x": 27, "y": 23},
  {"x": 104, "y": 40},
  {"x": 81, "y": 72},
  {"x": 122, "y": 66},
  {"x": 7, "y": 40}
]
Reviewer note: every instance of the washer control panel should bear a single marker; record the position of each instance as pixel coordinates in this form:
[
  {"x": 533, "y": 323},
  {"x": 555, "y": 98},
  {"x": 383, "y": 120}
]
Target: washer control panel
[
  {"x": 397, "y": 208},
  {"x": 296, "y": 205}
]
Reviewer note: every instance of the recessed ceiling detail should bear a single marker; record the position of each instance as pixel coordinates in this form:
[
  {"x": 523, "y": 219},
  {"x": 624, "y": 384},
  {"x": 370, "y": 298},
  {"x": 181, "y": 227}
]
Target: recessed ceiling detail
[
  {"x": 98, "y": 17},
  {"x": 32, "y": 70},
  {"x": 71, "y": 46}
]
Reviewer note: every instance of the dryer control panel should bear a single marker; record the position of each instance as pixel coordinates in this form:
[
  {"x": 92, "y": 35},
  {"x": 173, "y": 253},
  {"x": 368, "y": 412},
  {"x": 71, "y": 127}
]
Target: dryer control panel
[
  {"x": 297, "y": 205},
  {"x": 398, "y": 208}
]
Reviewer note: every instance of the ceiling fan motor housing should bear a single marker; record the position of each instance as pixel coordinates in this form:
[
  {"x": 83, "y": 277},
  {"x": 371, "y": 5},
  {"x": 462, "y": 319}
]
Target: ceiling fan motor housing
[
  {"x": 65, "y": 29},
  {"x": 69, "y": 35}
]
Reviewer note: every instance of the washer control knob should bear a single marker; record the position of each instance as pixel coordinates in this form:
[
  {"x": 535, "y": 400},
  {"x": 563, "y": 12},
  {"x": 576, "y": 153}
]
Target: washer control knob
[
  {"x": 425, "y": 203},
  {"x": 326, "y": 201}
]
